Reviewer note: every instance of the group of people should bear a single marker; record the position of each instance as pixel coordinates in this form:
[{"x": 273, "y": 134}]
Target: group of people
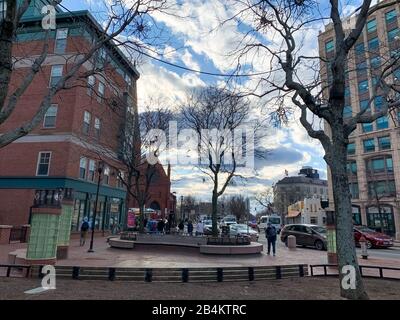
[{"x": 190, "y": 228}]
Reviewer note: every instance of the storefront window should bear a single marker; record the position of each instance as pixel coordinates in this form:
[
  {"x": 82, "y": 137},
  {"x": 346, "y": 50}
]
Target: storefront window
[{"x": 381, "y": 220}]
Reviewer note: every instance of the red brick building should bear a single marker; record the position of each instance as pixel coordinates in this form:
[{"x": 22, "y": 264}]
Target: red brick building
[{"x": 77, "y": 131}]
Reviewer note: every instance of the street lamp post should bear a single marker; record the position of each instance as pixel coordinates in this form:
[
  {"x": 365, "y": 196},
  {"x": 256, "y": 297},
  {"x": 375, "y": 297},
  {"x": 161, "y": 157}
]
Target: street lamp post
[{"x": 99, "y": 171}]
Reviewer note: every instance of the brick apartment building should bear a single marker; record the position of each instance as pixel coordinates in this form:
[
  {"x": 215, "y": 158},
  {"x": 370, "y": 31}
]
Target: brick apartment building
[
  {"x": 77, "y": 131},
  {"x": 374, "y": 148}
]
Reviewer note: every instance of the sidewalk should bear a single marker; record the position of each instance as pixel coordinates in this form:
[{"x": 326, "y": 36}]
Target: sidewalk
[{"x": 147, "y": 256}]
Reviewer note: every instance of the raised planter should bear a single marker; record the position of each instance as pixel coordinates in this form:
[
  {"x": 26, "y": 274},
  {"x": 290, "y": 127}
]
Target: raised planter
[{"x": 228, "y": 241}]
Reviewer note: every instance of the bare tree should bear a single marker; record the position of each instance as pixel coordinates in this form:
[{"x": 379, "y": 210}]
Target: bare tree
[
  {"x": 214, "y": 115},
  {"x": 138, "y": 173},
  {"x": 322, "y": 99},
  {"x": 237, "y": 206},
  {"x": 125, "y": 20},
  {"x": 266, "y": 199}
]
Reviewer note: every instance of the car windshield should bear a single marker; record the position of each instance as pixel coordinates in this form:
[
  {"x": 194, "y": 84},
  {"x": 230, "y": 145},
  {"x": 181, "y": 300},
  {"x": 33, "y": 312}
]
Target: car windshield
[
  {"x": 275, "y": 220},
  {"x": 365, "y": 229},
  {"x": 207, "y": 222},
  {"x": 241, "y": 226},
  {"x": 319, "y": 229}
]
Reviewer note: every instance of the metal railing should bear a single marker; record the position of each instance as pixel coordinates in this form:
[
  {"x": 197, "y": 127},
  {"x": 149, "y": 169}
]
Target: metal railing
[
  {"x": 9, "y": 267},
  {"x": 362, "y": 269}
]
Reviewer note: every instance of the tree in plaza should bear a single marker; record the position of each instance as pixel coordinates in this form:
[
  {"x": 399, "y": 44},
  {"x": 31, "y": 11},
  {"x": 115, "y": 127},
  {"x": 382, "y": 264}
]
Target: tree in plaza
[
  {"x": 237, "y": 206},
  {"x": 277, "y": 31},
  {"x": 127, "y": 20},
  {"x": 216, "y": 116}
]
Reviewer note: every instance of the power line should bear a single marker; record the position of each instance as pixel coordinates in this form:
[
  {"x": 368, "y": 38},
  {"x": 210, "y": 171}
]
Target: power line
[{"x": 183, "y": 67}]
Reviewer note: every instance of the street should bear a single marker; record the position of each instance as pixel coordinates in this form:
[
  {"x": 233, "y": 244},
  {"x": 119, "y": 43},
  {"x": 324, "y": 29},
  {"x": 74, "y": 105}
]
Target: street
[{"x": 389, "y": 253}]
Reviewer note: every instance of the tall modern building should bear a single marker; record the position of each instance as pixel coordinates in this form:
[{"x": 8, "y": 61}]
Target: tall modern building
[
  {"x": 290, "y": 190},
  {"x": 374, "y": 148}
]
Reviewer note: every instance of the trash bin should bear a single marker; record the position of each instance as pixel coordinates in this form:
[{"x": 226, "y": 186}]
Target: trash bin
[{"x": 291, "y": 242}]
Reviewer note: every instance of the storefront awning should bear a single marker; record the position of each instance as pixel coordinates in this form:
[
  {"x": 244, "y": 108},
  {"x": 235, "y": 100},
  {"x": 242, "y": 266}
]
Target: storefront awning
[{"x": 293, "y": 213}]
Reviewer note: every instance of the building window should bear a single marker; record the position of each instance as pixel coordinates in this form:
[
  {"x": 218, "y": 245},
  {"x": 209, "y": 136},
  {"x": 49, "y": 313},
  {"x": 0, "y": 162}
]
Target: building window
[
  {"x": 86, "y": 122},
  {"x": 354, "y": 190},
  {"x": 359, "y": 48},
  {"x": 101, "y": 92},
  {"x": 91, "y": 83},
  {"x": 43, "y": 166},
  {"x": 329, "y": 46},
  {"x": 369, "y": 145},
  {"x": 382, "y": 188},
  {"x": 61, "y": 40},
  {"x": 92, "y": 170},
  {"x": 97, "y": 127},
  {"x": 384, "y": 143},
  {"x": 351, "y": 168},
  {"x": 392, "y": 34},
  {"x": 106, "y": 175},
  {"x": 391, "y": 16},
  {"x": 373, "y": 44},
  {"x": 50, "y": 117},
  {"x": 371, "y": 25},
  {"x": 120, "y": 178},
  {"x": 365, "y": 105},
  {"x": 363, "y": 86},
  {"x": 82, "y": 168},
  {"x": 56, "y": 74},
  {"x": 351, "y": 148},
  {"x": 3, "y": 9},
  {"x": 347, "y": 112},
  {"x": 378, "y": 103},
  {"x": 314, "y": 220},
  {"x": 382, "y": 123},
  {"x": 375, "y": 62},
  {"x": 367, "y": 127},
  {"x": 361, "y": 68}
]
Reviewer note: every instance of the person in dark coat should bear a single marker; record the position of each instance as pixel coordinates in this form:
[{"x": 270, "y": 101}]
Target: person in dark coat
[
  {"x": 190, "y": 228},
  {"x": 181, "y": 227},
  {"x": 160, "y": 226},
  {"x": 270, "y": 234}
]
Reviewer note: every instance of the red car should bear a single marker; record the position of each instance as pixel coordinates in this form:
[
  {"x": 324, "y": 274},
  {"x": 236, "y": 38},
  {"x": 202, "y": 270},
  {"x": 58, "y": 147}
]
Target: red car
[{"x": 374, "y": 239}]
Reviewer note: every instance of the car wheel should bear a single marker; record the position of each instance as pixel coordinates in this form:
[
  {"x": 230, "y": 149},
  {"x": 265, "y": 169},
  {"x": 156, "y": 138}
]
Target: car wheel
[
  {"x": 369, "y": 244},
  {"x": 319, "y": 245}
]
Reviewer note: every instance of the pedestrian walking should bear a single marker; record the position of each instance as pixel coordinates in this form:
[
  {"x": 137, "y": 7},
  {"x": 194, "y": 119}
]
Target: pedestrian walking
[
  {"x": 181, "y": 227},
  {"x": 84, "y": 230},
  {"x": 199, "y": 228},
  {"x": 160, "y": 226},
  {"x": 190, "y": 228},
  {"x": 270, "y": 234}
]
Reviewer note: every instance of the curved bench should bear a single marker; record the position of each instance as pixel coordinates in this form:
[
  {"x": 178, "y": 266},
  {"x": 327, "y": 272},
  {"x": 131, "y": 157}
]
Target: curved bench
[{"x": 192, "y": 242}]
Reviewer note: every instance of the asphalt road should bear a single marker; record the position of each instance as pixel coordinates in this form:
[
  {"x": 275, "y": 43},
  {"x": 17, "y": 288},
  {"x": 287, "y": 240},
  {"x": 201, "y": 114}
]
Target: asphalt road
[{"x": 389, "y": 253}]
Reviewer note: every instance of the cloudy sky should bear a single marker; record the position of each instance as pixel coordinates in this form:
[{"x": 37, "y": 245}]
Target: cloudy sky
[{"x": 194, "y": 38}]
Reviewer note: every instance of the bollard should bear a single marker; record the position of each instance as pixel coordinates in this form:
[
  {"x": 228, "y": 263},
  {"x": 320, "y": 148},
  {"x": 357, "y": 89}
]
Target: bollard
[
  {"x": 364, "y": 250},
  {"x": 291, "y": 242}
]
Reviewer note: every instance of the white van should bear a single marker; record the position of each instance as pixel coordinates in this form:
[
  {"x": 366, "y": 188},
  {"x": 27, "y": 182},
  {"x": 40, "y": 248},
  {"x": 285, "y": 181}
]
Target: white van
[{"x": 275, "y": 220}]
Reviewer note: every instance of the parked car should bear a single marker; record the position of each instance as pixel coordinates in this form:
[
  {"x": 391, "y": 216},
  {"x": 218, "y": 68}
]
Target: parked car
[
  {"x": 374, "y": 239},
  {"x": 208, "y": 227},
  {"x": 242, "y": 229},
  {"x": 253, "y": 224},
  {"x": 275, "y": 220},
  {"x": 307, "y": 235},
  {"x": 228, "y": 220}
]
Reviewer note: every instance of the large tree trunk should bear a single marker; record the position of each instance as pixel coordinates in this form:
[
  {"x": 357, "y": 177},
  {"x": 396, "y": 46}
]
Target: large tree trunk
[{"x": 346, "y": 251}]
